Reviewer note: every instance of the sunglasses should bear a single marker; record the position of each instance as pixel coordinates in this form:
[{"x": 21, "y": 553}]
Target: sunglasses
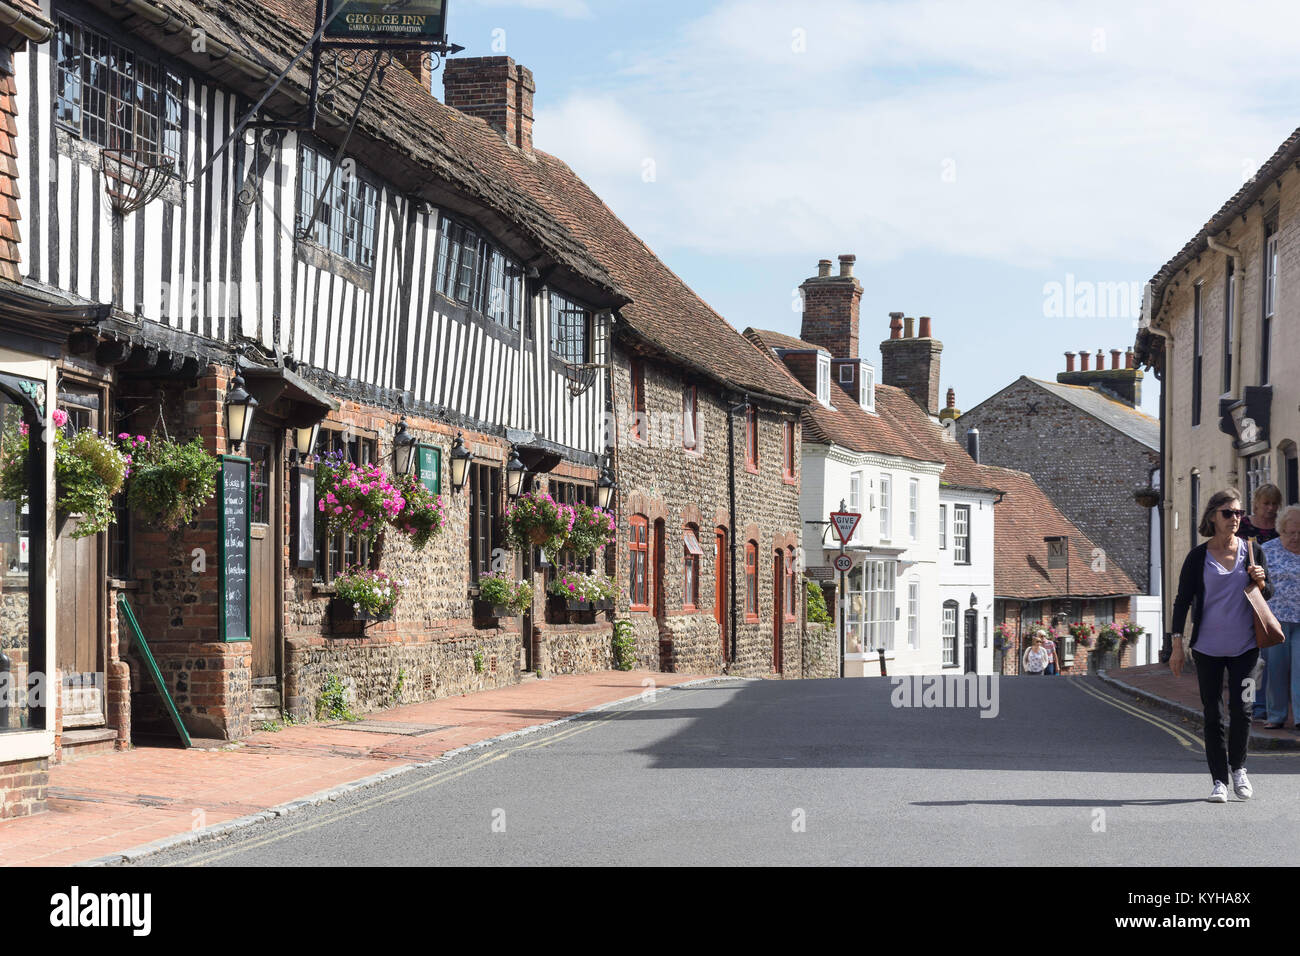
[{"x": 1231, "y": 513}]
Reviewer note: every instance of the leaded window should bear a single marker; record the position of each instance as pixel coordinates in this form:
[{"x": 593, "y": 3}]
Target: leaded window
[
  {"x": 345, "y": 222},
  {"x": 478, "y": 275},
  {"x": 570, "y": 330}
]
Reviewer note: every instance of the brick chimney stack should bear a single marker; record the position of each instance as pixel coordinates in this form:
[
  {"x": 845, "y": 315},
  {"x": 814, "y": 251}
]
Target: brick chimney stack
[
  {"x": 830, "y": 309},
  {"x": 912, "y": 364},
  {"x": 497, "y": 91},
  {"x": 1122, "y": 381}
]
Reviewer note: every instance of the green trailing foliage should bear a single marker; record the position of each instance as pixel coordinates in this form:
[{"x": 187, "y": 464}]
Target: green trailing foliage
[
  {"x": 817, "y": 611},
  {"x": 624, "y": 646}
]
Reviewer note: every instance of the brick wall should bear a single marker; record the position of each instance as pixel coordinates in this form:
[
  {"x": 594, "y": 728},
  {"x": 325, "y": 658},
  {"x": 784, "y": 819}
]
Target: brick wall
[
  {"x": 22, "y": 787},
  {"x": 912, "y": 364},
  {"x": 831, "y": 307},
  {"x": 496, "y": 90},
  {"x": 661, "y": 480},
  {"x": 1087, "y": 468}
]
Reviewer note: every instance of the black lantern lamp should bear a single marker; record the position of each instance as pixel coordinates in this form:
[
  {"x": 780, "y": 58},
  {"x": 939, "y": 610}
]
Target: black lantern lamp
[
  {"x": 516, "y": 472},
  {"x": 605, "y": 489},
  {"x": 304, "y": 440},
  {"x": 460, "y": 459},
  {"x": 239, "y": 412},
  {"x": 403, "y": 449}
]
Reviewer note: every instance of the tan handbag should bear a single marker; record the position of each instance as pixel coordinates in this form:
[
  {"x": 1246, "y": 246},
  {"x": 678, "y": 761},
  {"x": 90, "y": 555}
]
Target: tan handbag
[{"x": 1268, "y": 632}]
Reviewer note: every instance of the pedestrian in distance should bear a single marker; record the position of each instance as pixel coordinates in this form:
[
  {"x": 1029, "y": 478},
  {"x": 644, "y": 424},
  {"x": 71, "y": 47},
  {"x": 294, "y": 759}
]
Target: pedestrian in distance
[
  {"x": 1035, "y": 659},
  {"x": 1283, "y": 555},
  {"x": 1053, "y": 668},
  {"x": 1212, "y": 586},
  {"x": 1261, "y": 524}
]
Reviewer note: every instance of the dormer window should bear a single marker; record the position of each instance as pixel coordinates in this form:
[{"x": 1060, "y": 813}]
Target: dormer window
[
  {"x": 867, "y": 397},
  {"x": 824, "y": 379},
  {"x": 846, "y": 373}
]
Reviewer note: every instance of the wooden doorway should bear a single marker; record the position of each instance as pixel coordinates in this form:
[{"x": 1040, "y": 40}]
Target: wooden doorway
[
  {"x": 778, "y": 610},
  {"x": 81, "y": 653},
  {"x": 659, "y": 606},
  {"x": 264, "y": 563},
  {"x": 970, "y": 643}
]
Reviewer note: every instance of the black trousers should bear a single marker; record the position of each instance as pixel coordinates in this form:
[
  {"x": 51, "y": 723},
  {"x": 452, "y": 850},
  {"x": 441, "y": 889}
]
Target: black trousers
[{"x": 1224, "y": 747}]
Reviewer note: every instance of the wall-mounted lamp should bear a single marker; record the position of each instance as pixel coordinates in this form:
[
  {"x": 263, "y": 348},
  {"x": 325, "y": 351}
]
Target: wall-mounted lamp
[
  {"x": 516, "y": 472},
  {"x": 605, "y": 488},
  {"x": 239, "y": 411},
  {"x": 304, "y": 440},
  {"x": 403, "y": 449},
  {"x": 460, "y": 459},
  {"x": 974, "y": 601}
]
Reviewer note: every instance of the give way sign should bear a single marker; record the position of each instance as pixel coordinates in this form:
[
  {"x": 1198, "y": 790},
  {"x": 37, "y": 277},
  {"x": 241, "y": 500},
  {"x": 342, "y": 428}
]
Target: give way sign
[{"x": 845, "y": 522}]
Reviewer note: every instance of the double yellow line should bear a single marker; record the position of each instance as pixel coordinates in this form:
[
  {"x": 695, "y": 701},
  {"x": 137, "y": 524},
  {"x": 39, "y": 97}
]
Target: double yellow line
[
  {"x": 446, "y": 776},
  {"x": 1185, "y": 737}
]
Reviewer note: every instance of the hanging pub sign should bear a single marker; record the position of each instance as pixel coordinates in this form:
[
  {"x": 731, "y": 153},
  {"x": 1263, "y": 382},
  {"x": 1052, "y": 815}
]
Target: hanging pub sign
[
  {"x": 429, "y": 467},
  {"x": 406, "y": 20}
]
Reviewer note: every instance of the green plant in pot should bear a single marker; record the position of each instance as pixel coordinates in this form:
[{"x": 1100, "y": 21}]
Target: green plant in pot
[
  {"x": 536, "y": 520},
  {"x": 170, "y": 482},
  {"x": 367, "y": 595},
  {"x": 579, "y": 589},
  {"x": 505, "y": 594}
]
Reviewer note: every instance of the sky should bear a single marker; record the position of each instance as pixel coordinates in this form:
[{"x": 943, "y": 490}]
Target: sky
[{"x": 995, "y": 165}]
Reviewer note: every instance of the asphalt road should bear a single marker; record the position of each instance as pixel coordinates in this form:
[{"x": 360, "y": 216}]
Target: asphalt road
[{"x": 808, "y": 772}]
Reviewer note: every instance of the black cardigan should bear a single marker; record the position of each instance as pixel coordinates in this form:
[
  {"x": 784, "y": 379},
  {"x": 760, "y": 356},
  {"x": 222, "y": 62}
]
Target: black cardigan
[{"x": 1191, "y": 586}]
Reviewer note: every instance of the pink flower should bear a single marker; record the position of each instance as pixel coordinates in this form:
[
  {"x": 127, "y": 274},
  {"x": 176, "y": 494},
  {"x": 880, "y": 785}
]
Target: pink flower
[
  {"x": 124, "y": 436},
  {"x": 22, "y": 428},
  {"x": 338, "y": 511},
  {"x": 60, "y": 418}
]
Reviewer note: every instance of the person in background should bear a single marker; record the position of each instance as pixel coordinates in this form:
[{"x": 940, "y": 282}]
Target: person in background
[
  {"x": 1261, "y": 524},
  {"x": 1283, "y": 555},
  {"x": 1035, "y": 659},
  {"x": 1053, "y": 666},
  {"x": 1212, "y": 586}
]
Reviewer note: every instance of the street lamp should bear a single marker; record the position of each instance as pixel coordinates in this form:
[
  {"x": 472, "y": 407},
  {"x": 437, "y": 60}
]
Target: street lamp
[
  {"x": 239, "y": 411},
  {"x": 516, "y": 472},
  {"x": 605, "y": 489},
  {"x": 460, "y": 459},
  {"x": 403, "y": 449}
]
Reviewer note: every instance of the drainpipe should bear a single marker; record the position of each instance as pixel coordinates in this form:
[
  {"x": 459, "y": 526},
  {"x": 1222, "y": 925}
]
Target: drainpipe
[{"x": 731, "y": 519}]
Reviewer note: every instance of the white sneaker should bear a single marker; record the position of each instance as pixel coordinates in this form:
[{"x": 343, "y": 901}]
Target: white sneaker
[
  {"x": 1241, "y": 784},
  {"x": 1220, "y": 792}
]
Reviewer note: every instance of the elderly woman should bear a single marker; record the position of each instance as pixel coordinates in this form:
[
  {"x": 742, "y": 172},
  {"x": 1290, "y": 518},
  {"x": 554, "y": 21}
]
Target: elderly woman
[
  {"x": 1035, "y": 658},
  {"x": 1283, "y": 555},
  {"x": 1212, "y": 585},
  {"x": 1261, "y": 524}
]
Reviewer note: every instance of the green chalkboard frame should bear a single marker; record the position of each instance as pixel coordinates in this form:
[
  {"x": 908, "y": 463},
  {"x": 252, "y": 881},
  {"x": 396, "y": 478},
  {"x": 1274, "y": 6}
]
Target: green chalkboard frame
[
  {"x": 436, "y": 475},
  {"x": 221, "y": 545}
]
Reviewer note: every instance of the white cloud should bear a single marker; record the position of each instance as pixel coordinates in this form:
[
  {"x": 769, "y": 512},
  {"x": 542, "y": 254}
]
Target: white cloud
[
  {"x": 573, "y": 9},
  {"x": 1066, "y": 143}
]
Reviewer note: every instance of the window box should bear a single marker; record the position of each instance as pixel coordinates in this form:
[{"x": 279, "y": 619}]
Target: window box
[
  {"x": 579, "y": 605},
  {"x": 341, "y": 610}
]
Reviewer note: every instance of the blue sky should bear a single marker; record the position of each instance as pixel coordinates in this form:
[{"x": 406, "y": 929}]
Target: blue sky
[{"x": 969, "y": 154}]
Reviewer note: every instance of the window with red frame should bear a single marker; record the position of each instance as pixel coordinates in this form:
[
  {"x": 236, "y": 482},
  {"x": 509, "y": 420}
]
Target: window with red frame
[
  {"x": 751, "y": 581},
  {"x": 751, "y": 438},
  {"x": 637, "y": 554},
  {"x": 789, "y": 451},
  {"x": 639, "y": 429},
  {"x": 690, "y": 419},
  {"x": 691, "y": 552},
  {"x": 791, "y": 587}
]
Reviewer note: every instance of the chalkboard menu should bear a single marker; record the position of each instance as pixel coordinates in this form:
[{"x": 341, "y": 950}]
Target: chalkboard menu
[
  {"x": 429, "y": 464},
  {"x": 233, "y": 587}
]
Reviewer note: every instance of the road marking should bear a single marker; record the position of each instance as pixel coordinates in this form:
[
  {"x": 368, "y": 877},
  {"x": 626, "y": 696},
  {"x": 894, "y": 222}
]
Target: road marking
[
  {"x": 367, "y": 804},
  {"x": 1184, "y": 737}
]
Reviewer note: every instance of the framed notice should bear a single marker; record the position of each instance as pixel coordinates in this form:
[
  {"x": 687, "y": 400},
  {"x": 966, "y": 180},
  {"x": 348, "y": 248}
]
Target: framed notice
[
  {"x": 304, "y": 517},
  {"x": 233, "y": 584},
  {"x": 428, "y": 465},
  {"x": 410, "y": 21}
]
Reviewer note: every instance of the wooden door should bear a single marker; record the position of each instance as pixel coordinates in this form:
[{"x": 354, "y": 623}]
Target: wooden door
[
  {"x": 720, "y": 586},
  {"x": 969, "y": 652},
  {"x": 264, "y": 571},
  {"x": 79, "y": 615},
  {"x": 778, "y": 609},
  {"x": 659, "y": 570}
]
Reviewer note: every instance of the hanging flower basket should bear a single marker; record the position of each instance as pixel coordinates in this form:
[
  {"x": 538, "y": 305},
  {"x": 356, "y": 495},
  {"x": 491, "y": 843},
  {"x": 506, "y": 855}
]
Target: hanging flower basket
[
  {"x": 88, "y": 470},
  {"x": 356, "y": 499},
  {"x": 538, "y": 520},
  {"x": 593, "y": 529},
  {"x": 170, "y": 482},
  {"x": 422, "y": 514}
]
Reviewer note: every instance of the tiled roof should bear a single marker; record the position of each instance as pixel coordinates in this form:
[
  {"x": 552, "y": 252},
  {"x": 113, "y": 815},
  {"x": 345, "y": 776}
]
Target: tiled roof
[
  {"x": 779, "y": 340},
  {"x": 1023, "y": 517},
  {"x": 538, "y": 204},
  {"x": 1133, "y": 422},
  {"x": 959, "y": 469}
]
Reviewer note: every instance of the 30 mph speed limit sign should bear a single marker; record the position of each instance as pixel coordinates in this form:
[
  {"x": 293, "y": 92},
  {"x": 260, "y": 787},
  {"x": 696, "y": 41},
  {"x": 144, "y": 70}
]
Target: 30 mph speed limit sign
[{"x": 843, "y": 563}]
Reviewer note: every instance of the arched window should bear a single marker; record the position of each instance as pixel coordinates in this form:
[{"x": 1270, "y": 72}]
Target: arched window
[
  {"x": 691, "y": 552},
  {"x": 638, "y": 534},
  {"x": 751, "y": 581}
]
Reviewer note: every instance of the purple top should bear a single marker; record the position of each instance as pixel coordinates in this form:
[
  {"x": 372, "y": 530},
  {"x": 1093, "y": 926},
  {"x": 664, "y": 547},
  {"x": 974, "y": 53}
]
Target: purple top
[{"x": 1227, "y": 626}]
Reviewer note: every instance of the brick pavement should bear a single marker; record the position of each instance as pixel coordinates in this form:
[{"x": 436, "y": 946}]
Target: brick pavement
[
  {"x": 108, "y": 803},
  {"x": 1156, "y": 685}
]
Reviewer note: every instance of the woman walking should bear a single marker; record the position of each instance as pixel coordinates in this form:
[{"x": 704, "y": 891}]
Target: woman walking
[
  {"x": 1283, "y": 555},
  {"x": 1035, "y": 659},
  {"x": 1212, "y": 585}
]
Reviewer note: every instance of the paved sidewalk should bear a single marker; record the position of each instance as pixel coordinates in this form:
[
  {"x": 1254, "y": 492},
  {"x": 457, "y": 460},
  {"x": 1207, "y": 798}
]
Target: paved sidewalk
[
  {"x": 1156, "y": 686},
  {"x": 114, "y": 802}
]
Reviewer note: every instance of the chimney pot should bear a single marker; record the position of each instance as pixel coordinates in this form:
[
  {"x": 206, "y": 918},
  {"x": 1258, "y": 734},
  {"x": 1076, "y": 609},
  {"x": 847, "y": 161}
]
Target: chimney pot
[
  {"x": 895, "y": 325},
  {"x": 1069, "y": 361},
  {"x": 1114, "y": 358},
  {"x": 1129, "y": 358},
  {"x": 1101, "y": 361},
  {"x": 846, "y": 265},
  {"x": 1085, "y": 358},
  {"x": 973, "y": 444},
  {"x": 952, "y": 399},
  {"x": 925, "y": 327},
  {"x": 823, "y": 268},
  {"x": 908, "y": 322}
]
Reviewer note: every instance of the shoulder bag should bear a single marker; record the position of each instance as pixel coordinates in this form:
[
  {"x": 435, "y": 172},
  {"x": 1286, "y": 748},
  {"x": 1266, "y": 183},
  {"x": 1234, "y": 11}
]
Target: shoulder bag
[{"x": 1268, "y": 632}]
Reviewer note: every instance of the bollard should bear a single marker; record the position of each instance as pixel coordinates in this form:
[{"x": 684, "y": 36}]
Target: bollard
[{"x": 881, "y": 652}]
